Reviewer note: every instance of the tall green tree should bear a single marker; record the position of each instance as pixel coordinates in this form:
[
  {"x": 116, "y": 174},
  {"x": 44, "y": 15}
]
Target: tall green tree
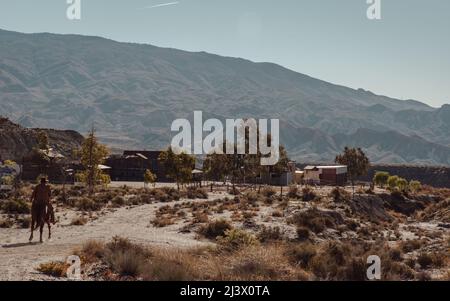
[
  {"x": 91, "y": 155},
  {"x": 380, "y": 178},
  {"x": 356, "y": 161},
  {"x": 177, "y": 167}
]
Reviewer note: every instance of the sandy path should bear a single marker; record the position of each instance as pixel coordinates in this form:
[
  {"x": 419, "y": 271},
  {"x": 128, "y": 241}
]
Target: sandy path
[{"x": 18, "y": 258}]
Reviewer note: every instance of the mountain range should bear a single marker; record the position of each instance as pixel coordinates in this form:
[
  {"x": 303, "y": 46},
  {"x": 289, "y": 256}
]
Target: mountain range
[{"x": 131, "y": 93}]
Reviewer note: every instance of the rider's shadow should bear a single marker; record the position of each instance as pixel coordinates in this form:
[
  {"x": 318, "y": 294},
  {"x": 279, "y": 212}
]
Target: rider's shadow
[{"x": 20, "y": 245}]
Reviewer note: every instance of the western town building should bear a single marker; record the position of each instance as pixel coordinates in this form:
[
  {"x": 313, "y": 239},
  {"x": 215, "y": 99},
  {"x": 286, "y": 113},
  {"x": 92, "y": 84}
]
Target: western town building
[
  {"x": 325, "y": 175},
  {"x": 132, "y": 164}
]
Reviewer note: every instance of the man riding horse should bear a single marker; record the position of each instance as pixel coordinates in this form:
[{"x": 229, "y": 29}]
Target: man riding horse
[{"x": 41, "y": 209}]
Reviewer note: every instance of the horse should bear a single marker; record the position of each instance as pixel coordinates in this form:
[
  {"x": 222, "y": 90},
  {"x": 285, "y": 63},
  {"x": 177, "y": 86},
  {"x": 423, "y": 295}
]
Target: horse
[{"x": 41, "y": 214}]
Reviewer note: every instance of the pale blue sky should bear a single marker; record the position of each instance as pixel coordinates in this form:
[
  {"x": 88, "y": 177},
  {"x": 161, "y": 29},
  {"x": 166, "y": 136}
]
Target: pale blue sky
[{"x": 404, "y": 55}]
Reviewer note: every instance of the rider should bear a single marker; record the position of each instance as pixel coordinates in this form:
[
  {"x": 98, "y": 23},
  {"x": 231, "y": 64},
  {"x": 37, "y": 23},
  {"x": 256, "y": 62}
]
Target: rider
[{"x": 41, "y": 197}]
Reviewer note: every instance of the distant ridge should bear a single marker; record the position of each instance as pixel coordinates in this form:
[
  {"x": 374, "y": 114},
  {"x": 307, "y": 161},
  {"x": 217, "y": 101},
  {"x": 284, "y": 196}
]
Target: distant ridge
[{"x": 132, "y": 92}]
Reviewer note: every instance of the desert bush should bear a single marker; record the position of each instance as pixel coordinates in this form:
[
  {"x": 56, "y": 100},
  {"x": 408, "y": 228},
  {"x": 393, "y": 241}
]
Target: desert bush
[
  {"x": 254, "y": 197},
  {"x": 267, "y": 234},
  {"x": 340, "y": 195},
  {"x": 236, "y": 238},
  {"x": 24, "y": 222},
  {"x": 167, "y": 269},
  {"x": 315, "y": 220},
  {"x": 196, "y": 193},
  {"x": 87, "y": 204},
  {"x": 6, "y": 223},
  {"x": 15, "y": 206},
  {"x": 79, "y": 221},
  {"x": 54, "y": 268},
  {"x": 411, "y": 245},
  {"x": 415, "y": 186},
  {"x": 269, "y": 192},
  {"x": 216, "y": 228},
  {"x": 303, "y": 233},
  {"x": 93, "y": 250},
  {"x": 301, "y": 254},
  {"x": 308, "y": 194},
  {"x": 162, "y": 221},
  {"x": 124, "y": 257},
  {"x": 118, "y": 201},
  {"x": 293, "y": 192}
]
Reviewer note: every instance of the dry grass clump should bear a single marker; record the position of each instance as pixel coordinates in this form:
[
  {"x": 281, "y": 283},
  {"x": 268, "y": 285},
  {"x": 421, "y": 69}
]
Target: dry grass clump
[
  {"x": 235, "y": 239},
  {"x": 6, "y": 223},
  {"x": 215, "y": 229},
  {"x": 411, "y": 245},
  {"x": 340, "y": 195},
  {"x": 317, "y": 220},
  {"x": 79, "y": 221},
  {"x": 269, "y": 192},
  {"x": 163, "y": 221},
  {"x": 87, "y": 204},
  {"x": 308, "y": 195},
  {"x": 293, "y": 192},
  {"x": 196, "y": 193},
  {"x": 270, "y": 234},
  {"x": 54, "y": 268}
]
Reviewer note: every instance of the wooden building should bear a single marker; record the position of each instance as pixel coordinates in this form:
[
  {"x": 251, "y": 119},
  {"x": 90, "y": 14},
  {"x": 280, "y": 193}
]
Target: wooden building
[
  {"x": 131, "y": 166},
  {"x": 326, "y": 175}
]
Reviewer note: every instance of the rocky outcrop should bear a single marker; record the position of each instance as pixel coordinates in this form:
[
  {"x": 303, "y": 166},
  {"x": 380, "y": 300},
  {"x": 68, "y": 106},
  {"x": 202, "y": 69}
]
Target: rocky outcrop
[{"x": 16, "y": 141}]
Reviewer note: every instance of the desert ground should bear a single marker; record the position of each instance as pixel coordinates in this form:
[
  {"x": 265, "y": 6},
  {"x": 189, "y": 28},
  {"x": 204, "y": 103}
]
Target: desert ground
[{"x": 251, "y": 233}]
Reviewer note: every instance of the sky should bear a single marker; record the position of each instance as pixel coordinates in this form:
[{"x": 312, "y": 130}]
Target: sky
[{"x": 405, "y": 55}]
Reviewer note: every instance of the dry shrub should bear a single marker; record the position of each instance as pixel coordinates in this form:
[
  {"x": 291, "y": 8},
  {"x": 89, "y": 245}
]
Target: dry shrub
[
  {"x": 411, "y": 245},
  {"x": 15, "y": 207},
  {"x": 196, "y": 193},
  {"x": 257, "y": 263},
  {"x": 293, "y": 192},
  {"x": 54, "y": 268},
  {"x": 79, "y": 221},
  {"x": 269, "y": 192},
  {"x": 235, "y": 239},
  {"x": 316, "y": 220},
  {"x": 340, "y": 195},
  {"x": 270, "y": 234},
  {"x": 93, "y": 250},
  {"x": 303, "y": 233},
  {"x": 216, "y": 228},
  {"x": 118, "y": 201},
  {"x": 308, "y": 194},
  {"x": 162, "y": 221},
  {"x": 6, "y": 223},
  {"x": 301, "y": 254},
  {"x": 170, "y": 266},
  {"x": 253, "y": 197},
  {"x": 87, "y": 204}
]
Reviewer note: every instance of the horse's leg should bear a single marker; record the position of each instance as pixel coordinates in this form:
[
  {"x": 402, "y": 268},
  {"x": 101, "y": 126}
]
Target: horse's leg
[
  {"x": 32, "y": 228},
  {"x": 41, "y": 230},
  {"x": 49, "y": 230}
]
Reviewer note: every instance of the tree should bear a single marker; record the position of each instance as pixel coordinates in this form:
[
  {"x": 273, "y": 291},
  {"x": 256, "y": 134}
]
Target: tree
[
  {"x": 415, "y": 186},
  {"x": 402, "y": 184},
  {"x": 42, "y": 140},
  {"x": 282, "y": 165},
  {"x": 381, "y": 178},
  {"x": 91, "y": 155},
  {"x": 149, "y": 178},
  {"x": 177, "y": 167},
  {"x": 392, "y": 182},
  {"x": 356, "y": 161}
]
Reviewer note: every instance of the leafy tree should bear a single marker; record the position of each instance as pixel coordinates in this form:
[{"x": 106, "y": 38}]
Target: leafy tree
[
  {"x": 149, "y": 178},
  {"x": 91, "y": 155},
  {"x": 392, "y": 182},
  {"x": 381, "y": 178},
  {"x": 42, "y": 140},
  {"x": 356, "y": 161},
  {"x": 402, "y": 184},
  {"x": 415, "y": 186},
  {"x": 177, "y": 167}
]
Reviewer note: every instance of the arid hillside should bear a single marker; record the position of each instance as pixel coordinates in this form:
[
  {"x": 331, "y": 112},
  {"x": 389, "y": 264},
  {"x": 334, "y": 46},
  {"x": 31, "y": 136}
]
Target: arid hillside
[{"x": 16, "y": 141}]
